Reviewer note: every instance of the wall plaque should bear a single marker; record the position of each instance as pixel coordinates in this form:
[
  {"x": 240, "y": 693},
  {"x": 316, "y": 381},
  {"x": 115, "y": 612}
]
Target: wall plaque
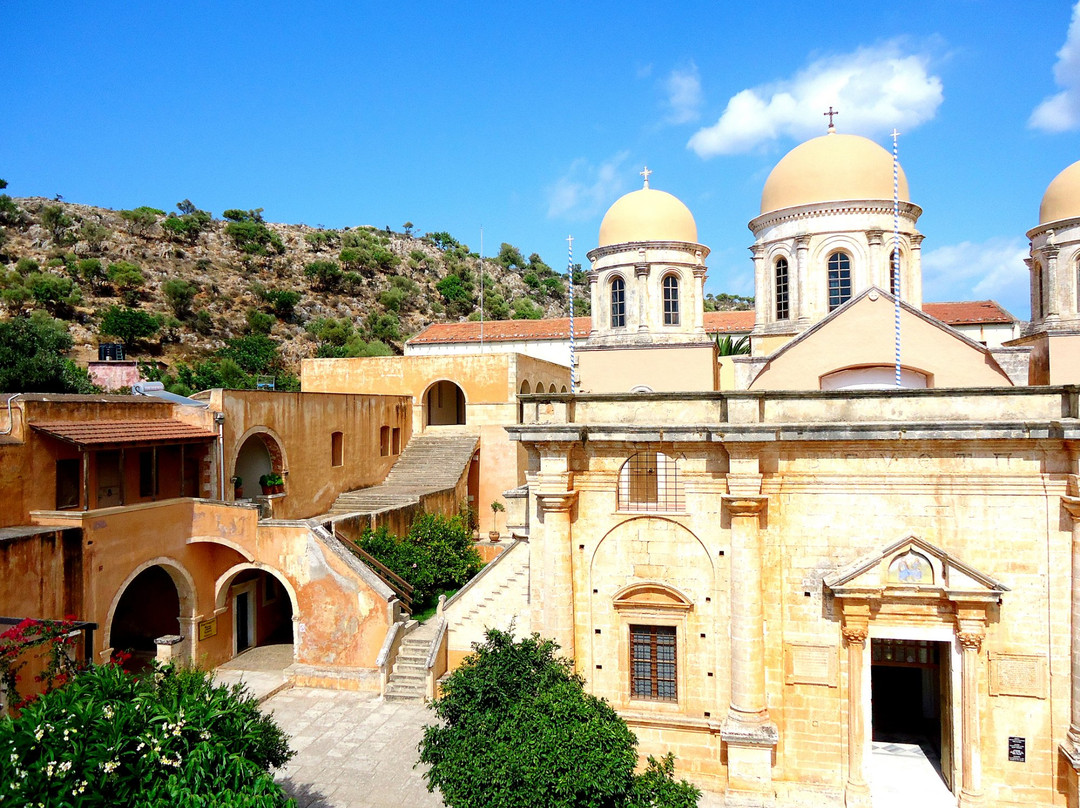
[
  {"x": 208, "y": 628},
  {"x": 807, "y": 664},
  {"x": 1017, "y": 675},
  {"x": 1017, "y": 749}
]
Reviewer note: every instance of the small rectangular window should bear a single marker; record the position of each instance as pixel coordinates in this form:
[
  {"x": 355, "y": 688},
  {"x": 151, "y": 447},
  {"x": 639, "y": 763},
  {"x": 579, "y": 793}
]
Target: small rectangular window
[
  {"x": 395, "y": 441},
  {"x": 653, "y": 664},
  {"x": 384, "y": 441},
  {"x": 337, "y": 449},
  {"x": 147, "y": 475},
  {"x": 67, "y": 483}
]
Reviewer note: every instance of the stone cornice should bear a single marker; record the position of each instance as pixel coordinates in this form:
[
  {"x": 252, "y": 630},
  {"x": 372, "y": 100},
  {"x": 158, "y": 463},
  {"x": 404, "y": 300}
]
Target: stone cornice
[
  {"x": 744, "y": 505},
  {"x": 822, "y": 209},
  {"x": 633, "y": 246},
  {"x": 556, "y": 501}
]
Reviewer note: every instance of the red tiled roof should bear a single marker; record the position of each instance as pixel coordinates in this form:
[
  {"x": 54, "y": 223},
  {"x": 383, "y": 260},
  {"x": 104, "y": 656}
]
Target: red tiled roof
[
  {"x": 503, "y": 330},
  {"x": 728, "y": 322},
  {"x": 103, "y": 433},
  {"x": 966, "y": 312}
]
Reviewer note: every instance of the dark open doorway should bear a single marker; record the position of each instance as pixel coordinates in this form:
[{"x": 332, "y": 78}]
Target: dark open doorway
[{"x": 910, "y": 698}]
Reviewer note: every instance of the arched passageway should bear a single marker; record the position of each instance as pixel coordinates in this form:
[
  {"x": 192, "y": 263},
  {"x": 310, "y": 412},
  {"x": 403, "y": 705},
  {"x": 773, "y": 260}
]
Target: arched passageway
[
  {"x": 148, "y": 608},
  {"x": 260, "y": 610},
  {"x": 258, "y": 455},
  {"x": 444, "y": 404}
]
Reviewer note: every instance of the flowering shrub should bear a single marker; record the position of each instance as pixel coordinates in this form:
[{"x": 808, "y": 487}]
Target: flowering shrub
[
  {"x": 169, "y": 737},
  {"x": 58, "y": 637}
]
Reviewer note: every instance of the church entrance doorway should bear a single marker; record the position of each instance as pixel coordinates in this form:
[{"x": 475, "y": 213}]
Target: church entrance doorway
[{"x": 910, "y": 696}]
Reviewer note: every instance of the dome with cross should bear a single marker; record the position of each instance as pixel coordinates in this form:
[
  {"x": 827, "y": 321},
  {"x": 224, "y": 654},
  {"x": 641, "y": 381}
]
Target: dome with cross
[
  {"x": 831, "y": 168},
  {"x": 647, "y": 215}
]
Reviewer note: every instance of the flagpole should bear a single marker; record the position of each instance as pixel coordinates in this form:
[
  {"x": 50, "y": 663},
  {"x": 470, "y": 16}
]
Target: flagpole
[
  {"x": 481, "y": 288},
  {"x": 896, "y": 251},
  {"x": 570, "y": 277}
]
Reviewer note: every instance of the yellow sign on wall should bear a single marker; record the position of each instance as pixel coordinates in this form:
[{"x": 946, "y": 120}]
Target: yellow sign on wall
[{"x": 208, "y": 629}]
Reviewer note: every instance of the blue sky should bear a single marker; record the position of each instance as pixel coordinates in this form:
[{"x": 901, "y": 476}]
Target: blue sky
[{"x": 531, "y": 119}]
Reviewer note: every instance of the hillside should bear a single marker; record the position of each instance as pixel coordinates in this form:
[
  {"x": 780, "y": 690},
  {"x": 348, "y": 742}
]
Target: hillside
[{"x": 210, "y": 282}]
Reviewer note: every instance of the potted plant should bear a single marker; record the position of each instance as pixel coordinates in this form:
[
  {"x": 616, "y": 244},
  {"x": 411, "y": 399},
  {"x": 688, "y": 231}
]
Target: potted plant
[
  {"x": 496, "y": 506},
  {"x": 264, "y": 483},
  {"x": 238, "y": 487},
  {"x": 277, "y": 484}
]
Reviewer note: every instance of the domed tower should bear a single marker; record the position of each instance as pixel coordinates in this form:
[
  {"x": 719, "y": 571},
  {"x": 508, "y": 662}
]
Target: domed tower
[
  {"x": 647, "y": 286},
  {"x": 825, "y": 234},
  {"x": 1055, "y": 256}
]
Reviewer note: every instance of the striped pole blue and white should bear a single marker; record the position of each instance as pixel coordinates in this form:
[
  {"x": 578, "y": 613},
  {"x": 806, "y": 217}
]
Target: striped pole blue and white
[
  {"x": 896, "y": 249},
  {"x": 570, "y": 279}
]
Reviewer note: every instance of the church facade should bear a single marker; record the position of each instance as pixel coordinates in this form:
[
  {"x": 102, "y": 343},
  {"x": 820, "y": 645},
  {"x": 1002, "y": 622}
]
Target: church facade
[{"x": 849, "y": 549}]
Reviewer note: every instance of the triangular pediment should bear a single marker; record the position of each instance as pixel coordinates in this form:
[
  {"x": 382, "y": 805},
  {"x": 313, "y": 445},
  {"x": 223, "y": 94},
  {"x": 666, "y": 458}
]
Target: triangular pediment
[{"x": 911, "y": 566}]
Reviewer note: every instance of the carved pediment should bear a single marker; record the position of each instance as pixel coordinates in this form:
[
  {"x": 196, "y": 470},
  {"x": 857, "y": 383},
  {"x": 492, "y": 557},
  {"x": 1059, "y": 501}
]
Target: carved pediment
[
  {"x": 913, "y": 566},
  {"x": 652, "y": 595}
]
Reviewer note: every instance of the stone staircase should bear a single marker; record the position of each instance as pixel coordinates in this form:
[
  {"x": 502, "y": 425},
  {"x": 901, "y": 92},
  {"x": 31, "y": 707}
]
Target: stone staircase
[
  {"x": 408, "y": 679},
  {"x": 431, "y": 462},
  {"x": 499, "y": 595}
]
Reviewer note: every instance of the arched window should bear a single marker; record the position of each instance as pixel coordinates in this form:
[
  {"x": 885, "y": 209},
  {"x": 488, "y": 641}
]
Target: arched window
[
  {"x": 618, "y": 303},
  {"x": 781, "y": 289},
  {"x": 649, "y": 481},
  {"x": 839, "y": 280},
  {"x": 671, "y": 300}
]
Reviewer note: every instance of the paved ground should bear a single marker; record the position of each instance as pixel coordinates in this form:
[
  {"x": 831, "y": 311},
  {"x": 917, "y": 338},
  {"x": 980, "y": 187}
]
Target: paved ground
[
  {"x": 261, "y": 669},
  {"x": 353, "y": 750},
  {"x": 906, "y": 774}
]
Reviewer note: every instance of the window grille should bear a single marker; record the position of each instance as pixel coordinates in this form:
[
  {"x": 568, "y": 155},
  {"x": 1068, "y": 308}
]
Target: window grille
[
  {"x": 781, "y": 289},
  {"x": 618, "y": 303},
  {"x": 653, "y": 663},
  {"x": 839, "y": 280},
  {"x": 649, "y": 481},
  {"x": 671, "y": 300}
]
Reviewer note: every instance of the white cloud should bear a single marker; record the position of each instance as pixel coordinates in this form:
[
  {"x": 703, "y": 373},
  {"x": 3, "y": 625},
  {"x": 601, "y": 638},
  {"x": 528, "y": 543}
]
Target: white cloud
[
  {"x": 684, "y": 98},
  {"x": 991, "y": 269},
  {"x": 586, "y": 189},
  {"x": 1061, "y": 112},
  {"x": 874, "y": 88}
]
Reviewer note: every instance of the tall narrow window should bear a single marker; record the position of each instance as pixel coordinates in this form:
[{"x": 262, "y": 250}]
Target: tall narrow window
[
  {"x": 649, "y": 481},
  {"x": 384, "y": 441},
  {"x": 653, "y": 663},
  {"x": 781, "y": 289},
  {"x": 671, "y": 300},
  {"x": 839, "y": 280},
  {"x": 337, "y": 449},
  {"x": 395, "y": 441},
  {"x": 618, "y": 303}
]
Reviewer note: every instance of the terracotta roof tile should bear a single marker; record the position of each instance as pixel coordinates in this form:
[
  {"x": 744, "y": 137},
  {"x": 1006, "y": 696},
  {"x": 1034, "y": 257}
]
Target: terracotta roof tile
[
  {"x": 728, "y": 322},
  {"x": 966, "y": 312},
  {"x": 103, "y": 433}
]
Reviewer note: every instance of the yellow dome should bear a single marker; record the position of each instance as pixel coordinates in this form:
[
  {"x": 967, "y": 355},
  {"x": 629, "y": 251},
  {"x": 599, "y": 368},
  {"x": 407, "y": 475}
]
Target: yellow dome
[
  {"x": 1062, "y": 197},
  {"x": 647, "y": 215},
  {"x": 831, "y": 168}
]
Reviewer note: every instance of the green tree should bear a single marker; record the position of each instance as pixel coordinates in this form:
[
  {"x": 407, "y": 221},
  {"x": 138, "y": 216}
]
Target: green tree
[
  {"x": 128, "y": 280},
  {"x": 92, "y": 271},
  {"x": 525, "y": 309},
  {"x": 322, "y": 239},
  {"x": 142, "y": 219},
  {"x": 255, "y": 353},
  {"x": 510, "y": 257},
  {"x": 325, "y": 275},
  {"x": 282, "y": 302},
  {"x": 250, "y": 234},
  {"x": 10, "y": 212},
  {"x": 179, "y": 294},
  {"x": 259, "y": 322},
  {"x": 32, "y": 357},
  {"x": 188, "y": 225},
  {"x": 128, "y": 325},
  {"x": 94, "y": 234},
  {"x": 385, "y": 327},
  {"x": 408, "y": 228},
  {"x": 57, "y": 222},
  {"x": 518, "y": 730},
  {"x": 54, "y": 292}
]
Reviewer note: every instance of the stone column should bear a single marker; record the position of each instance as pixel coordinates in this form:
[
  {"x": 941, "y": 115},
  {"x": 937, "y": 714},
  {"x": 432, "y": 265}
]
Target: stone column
[
  {"x": 1034, "y": 286},
  {"x": 802, "y": 282},
  {"x": 856, "y": 789},
  {"x": 597, "y": 303},
  {"x": 551, "y": 547},
  {"x": 698, "y": 310},
  {"x": 762, "y": 289},
  {"x": 1050, "y": 278},
  {"x": 641, "y": 289},
  {"x": 876, "y": 275},
  {"x": 970, "y": 638},
  {"x": 1071, "y": 747},
  {"x": 912, "y": 292},
  {"x": 749, "y": 735}
]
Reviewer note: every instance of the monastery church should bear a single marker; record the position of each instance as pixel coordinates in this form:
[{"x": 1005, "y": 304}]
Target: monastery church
[{"x": 791, "y": 567}]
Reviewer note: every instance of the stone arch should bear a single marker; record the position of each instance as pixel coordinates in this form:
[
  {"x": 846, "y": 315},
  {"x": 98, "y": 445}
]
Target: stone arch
[
  {"x": 270, "y": 624},
  {"x": 444, "y": 404},
  {"x": 260, "y": 450},
  {"x": 525, "y": 388},
  {"x": 637, "y": 523},
  {"x": 186, "y": 593}
]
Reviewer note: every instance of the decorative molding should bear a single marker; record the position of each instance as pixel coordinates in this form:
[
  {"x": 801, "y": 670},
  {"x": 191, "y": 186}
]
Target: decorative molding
[
  {"x": 556, "y": 501},
  {"x": 855, "y": 634},
  {"x": 970, "y": 640},
  {"x": 743, "y": 505}
]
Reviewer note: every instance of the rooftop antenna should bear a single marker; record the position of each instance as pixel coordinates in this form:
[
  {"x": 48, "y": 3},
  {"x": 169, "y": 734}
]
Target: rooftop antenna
[
  {"x": 895, "y": 275},
  {"x": 570, "y": 277},
  {"x": 831, "y": 114},
  {"x": 481, "y": 288}
]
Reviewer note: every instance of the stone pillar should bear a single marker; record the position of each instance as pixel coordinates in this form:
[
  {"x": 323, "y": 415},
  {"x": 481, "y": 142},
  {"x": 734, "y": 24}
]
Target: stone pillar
[
  {"x": 1034, "y": 286},
  {"x": 1071, "y": 747},
  {"x": 879, "y": 271},
  {"x": 597, "y": 304},
  {"x": 970, "y": 638},
  {"x": 558, "y": 617},
  {"x": 856, "y": 789},
  {"x": 1050, "y": 279},
  {"x": 167, "y": 648},
  {"x": 802, "y": 282},
  {"x": 698, "y": 310},
  {"x": 762, "y": 289},
  {"x": 912, "y": 292},
  {"x": 749, "y": 735},
  {"x": 641, "y": 289}
]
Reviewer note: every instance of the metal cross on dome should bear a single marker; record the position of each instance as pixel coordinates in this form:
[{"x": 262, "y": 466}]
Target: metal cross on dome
[
  {"x": 645, "y": 174},
  {"x": 830, "y": 115}
]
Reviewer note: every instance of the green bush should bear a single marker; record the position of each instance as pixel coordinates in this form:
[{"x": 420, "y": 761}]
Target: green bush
[
  {"x": 250, "y": 234},
  {"x": 437, "y": 555},
  {"x": 24, "y": 266},
  {"x": 525, "y": 309},
  {"x": 58, "y": 223},
  {"x": 54, "y": 292},
  {"x": 128, "y": 280},
  {"x": 322, "y": 239},
  {"x": 179, "y": 293},
  {"x": 259, "y": 322},
  {"x": 93, "y": 234},
  {"x": 141, "y": 219},
  {"x": 128, "y": 325},
  {"x": 282, "y": 302},
  {"x": 325, "y": 275},
  {"x": 188, "y": 225},
  {"x": 518, "y": 730},
  {"x": 168, "y": 738},
  {"x": 31, "y": 357},
  {"x": 255, "y": 353}
]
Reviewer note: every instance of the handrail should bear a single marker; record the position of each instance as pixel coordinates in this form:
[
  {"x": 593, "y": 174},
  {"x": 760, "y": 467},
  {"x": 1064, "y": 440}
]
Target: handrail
[
  {"x": 476, "y": 578},
  {"x": 402, "y": 588}
]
